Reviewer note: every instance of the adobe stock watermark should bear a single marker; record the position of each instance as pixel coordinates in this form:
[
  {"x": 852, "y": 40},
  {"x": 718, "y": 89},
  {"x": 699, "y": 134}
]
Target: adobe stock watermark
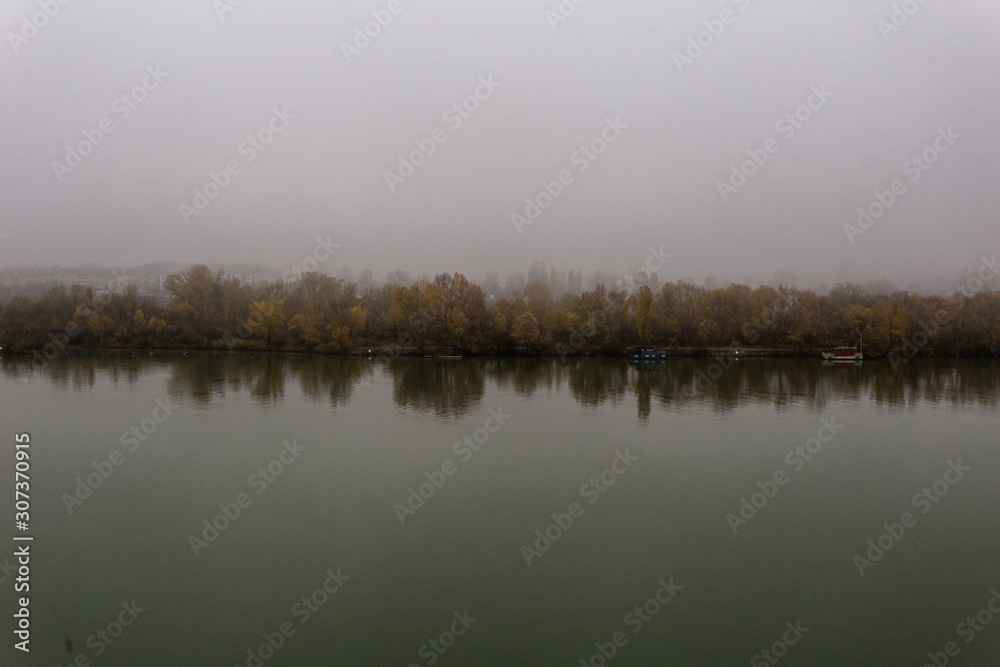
[
  {"x": 256, "y": 319},
  {"x": 786, "y": 126},
  {"x": 988, "y": 271},
  {"x": 245, "y": 330},
  {"x": 223, "y": 7},
  {"x": 322, "y": 252},
  {"x": 303, "y": 610},
  {"x": 909, "y": 347},
  {"x": 131, "y": 440},
  {"x": 796, "y": 460},
  {"x": 578, "y": 336},
  {"x": 30, "y": 25},
  {"x": 435, "y": 648},
  {"x": 635, "y": 620},
  {"x": 723, "y": 361},
  {"x": 562, "y": 12},
  {"x": 968, "y": 629},
  {"x": 581, "y": 158},
  {"x": 248, "y": 149},
  {"x": 464, "y": 449},
  {"x": 641, "y": 275},
  {"x": 419, "y": 322},
  {"x": 900, "y": 16},
  {"x": 121, "y": 108},
  {"x": 915, "y": 168},
  {"x": 59, "y": 341},
  {"x": 455, "y": 116},
  {"x": 924, "y": 501},
  {"x": 381, "y": 18},
  {"x": 103, "y": 638},
  {"x": 698, "y": 43},
  {"x": 592, "y": 490},
  {"x": 779, "y": 649},
  {"x": 705, "y": 378},
  {"x": 764, "y": 322},
  {"x": 259, "y": 481}
]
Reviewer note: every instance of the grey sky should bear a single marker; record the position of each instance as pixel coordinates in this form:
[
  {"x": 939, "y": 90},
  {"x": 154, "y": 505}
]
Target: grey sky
[{"x": 655, "y": 184}]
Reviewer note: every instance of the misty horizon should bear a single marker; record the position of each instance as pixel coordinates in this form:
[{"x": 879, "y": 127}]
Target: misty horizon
[
  {"x": 942, "y": 284},
  {"x": 831, "y": 144}
]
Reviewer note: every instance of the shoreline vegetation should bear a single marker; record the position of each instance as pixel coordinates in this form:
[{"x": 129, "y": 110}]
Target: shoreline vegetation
[{"x": 321, "y": 314}]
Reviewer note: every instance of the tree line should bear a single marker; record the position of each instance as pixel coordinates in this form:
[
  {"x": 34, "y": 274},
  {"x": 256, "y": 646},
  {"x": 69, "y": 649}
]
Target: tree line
[{"x": 324, "y": 314}]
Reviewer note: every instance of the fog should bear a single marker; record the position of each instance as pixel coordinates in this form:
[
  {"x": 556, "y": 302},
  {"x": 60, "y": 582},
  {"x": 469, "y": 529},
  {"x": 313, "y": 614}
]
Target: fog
[{"x": 737, "y": 137}]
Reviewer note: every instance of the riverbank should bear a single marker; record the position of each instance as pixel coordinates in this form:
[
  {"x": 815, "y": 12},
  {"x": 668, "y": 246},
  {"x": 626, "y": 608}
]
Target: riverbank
[{"x": 396, "y": 352}]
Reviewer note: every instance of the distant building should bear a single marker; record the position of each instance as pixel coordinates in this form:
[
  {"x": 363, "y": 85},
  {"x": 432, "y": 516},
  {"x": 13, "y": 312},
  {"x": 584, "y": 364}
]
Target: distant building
[{"x": 148, "y": 279}]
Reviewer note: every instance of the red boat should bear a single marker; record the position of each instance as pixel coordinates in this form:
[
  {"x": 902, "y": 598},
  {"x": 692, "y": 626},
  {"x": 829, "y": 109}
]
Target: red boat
[{"x": 843, "y": 353}]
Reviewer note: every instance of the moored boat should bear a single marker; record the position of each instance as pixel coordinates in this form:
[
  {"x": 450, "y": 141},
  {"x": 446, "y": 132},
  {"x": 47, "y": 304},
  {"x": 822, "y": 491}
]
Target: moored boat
[
  {"x": 444, "y": 353},
  {"x": 843, "y": 353},
  {"x": 648, "y": 354}
]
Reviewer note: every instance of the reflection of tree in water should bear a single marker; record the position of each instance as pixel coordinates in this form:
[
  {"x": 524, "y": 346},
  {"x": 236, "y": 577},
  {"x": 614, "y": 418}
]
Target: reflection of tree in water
[
  {"x": 723, "y": 385},
  {"x": 73, "y": 373},
  {"x": 845, "y": 382},
  {"x": 946, "y": 381},
  {"x": 525, "y": 375},
  {"x": 726, "y": 383},
  {"x": 972, "y": 382},
  {"x": 265, "y": 376},
  {"x": 206, "y": 377},
  {"x": 330, "y": 378},
  {"x": 670, "y": 382},
  {"x": 80, "y": 371},
  {"x": 785, "y": 382},
  {"x": 18, "y": 367},
  {"x": 199, "y": 377},
  {"x": 446, "y": 388},
  {"x": 644, "y": 381},
  {"x": 202, "y": 378},
  {"x": 595, "y": 381},
  {"x": 452, "y": 388},
  {"x": 788, "y": 383}
]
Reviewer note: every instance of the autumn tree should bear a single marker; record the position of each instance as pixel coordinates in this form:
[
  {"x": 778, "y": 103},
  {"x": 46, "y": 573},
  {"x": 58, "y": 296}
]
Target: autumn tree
[
  {"x": 197, "y": 303},
  {"x": 526, "y": 333}
]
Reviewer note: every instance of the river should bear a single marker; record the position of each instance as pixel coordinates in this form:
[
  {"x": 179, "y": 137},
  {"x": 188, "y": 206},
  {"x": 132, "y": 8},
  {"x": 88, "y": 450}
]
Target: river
[{"x": 225, "y": 510}]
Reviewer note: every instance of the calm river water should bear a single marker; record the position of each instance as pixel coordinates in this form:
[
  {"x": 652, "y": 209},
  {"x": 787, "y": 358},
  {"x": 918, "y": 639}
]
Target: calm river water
[{"x": 308, "y": 510}]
